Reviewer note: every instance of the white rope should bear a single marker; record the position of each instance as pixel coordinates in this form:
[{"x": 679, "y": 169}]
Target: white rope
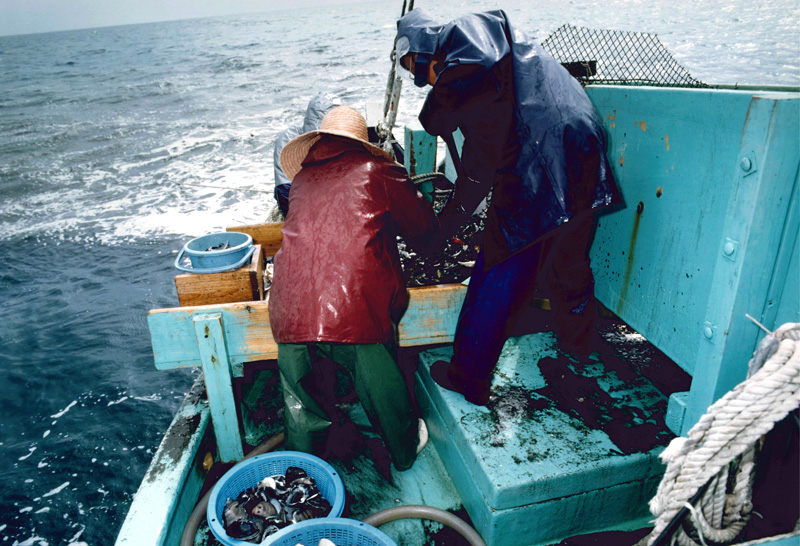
[{"x": 725, "y": 440}]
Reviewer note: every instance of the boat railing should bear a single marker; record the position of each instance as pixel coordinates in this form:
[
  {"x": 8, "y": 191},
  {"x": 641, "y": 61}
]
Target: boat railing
[{"x": 220, "y": 339}]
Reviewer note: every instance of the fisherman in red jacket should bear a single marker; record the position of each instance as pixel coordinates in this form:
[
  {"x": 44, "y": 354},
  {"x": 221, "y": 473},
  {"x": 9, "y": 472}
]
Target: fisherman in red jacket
[{"x": 338, "y": 288}]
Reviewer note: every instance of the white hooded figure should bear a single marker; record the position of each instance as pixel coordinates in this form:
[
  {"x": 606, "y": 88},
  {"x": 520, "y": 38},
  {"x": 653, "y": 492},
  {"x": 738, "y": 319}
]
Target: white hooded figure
[{"x": 319, "y": 105}]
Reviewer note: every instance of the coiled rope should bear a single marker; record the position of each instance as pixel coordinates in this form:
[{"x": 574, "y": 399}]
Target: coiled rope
[
  {"x": 721, "y": 449},
  {"x": 427, "y": 177}
]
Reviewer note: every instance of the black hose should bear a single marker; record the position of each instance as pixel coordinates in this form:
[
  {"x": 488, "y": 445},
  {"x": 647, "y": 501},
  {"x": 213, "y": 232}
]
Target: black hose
[{"x": 672, "y": 526}]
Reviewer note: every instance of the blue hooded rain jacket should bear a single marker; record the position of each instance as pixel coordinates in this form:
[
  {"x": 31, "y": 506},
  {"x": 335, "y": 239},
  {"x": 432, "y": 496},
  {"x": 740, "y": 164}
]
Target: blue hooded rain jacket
[{"x": 531, "y": 135}]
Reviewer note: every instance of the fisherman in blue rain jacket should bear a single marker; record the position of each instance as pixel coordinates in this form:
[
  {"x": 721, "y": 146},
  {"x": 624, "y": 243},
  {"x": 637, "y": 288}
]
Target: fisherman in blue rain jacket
[{"x": 533, "y": 139}]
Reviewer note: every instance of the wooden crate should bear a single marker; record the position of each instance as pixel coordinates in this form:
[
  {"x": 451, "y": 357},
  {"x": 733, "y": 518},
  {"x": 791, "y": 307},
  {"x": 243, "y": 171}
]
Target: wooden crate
[{"x": 243, "y": 284}]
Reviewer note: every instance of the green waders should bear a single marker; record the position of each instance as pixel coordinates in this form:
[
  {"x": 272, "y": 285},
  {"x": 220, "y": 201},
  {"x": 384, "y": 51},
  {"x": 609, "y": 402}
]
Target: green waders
[{"x": 377, "y": 381}]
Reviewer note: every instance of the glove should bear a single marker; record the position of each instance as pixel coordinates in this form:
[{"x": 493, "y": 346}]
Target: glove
[
  {"x": 452, "y": 218},
  {"x": 432, "y": 245}
]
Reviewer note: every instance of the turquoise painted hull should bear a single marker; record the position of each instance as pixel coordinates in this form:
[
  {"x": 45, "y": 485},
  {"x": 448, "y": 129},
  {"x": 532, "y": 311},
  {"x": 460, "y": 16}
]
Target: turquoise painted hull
[{"x": 709, "y": 233}]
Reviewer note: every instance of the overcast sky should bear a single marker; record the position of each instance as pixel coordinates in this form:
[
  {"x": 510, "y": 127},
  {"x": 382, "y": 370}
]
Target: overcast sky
[{"x": 30, "y": 16}]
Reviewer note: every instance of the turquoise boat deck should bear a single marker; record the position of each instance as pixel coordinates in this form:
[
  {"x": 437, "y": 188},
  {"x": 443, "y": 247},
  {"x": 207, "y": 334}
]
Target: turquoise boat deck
[
  {"x": 523, "y": 465},
  {"x": 518, "y": 469},
  {"x": 709, "y": 234}
]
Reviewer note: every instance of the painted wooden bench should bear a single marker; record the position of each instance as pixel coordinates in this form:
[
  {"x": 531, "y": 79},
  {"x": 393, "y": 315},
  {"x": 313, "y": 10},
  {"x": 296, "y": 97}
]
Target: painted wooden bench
[{"x": 222, "y": 338}]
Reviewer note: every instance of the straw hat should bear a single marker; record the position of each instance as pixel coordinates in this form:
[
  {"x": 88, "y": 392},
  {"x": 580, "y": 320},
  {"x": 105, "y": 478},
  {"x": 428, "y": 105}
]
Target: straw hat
[{"x": 341, "y": 121}]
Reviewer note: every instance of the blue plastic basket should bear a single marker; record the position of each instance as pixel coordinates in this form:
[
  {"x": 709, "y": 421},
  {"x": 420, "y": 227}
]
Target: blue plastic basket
[
  {"x": 248, "y": 473},
  {"x": 342, "y": 532}
]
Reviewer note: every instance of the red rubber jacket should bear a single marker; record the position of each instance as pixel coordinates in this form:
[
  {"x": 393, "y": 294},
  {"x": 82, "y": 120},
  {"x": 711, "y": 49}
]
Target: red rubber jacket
[{"x": 337, "y": 276}]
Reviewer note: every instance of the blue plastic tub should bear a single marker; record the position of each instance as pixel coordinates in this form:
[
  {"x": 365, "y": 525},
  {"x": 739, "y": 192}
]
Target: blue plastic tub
[
  {"x": 248, "y": 473},
  {"x": 239, "y": 248},
  {"x": 342, "y": 532}
]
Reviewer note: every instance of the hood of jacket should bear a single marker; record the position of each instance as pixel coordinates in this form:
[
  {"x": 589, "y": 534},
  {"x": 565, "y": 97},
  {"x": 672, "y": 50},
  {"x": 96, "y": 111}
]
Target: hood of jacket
[
  {"x": 553, "y": 125},
  {"x": 464, "y": 38}
]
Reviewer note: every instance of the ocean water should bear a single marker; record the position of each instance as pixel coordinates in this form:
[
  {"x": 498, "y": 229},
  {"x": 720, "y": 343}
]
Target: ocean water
[{"x": 119, "y": 144}]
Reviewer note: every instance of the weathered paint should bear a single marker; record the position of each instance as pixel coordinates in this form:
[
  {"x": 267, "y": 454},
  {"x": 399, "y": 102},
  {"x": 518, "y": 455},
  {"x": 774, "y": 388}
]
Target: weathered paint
[
  {"x": 684, "y": 227},
  {"x": 430, "y": 318},
  {"x": 756, "y": 219},
  {"x": 626, "y": 278},
  {"x": 676, "y": 411},
  {"x": 691, "y": 135},
  {"x": 712, "y": 221},
  {"x": 431, "y": 315},
  {"x": 420, "y": 156},
  {"x": 783, "y": 297},
  {"x": 248, "y": 336},
  {"x": 222, "y": 338},
  {"x": 529, "y": 434},
  {"x": 219, "y": 384},
  {"x": 171, "y": 485}
]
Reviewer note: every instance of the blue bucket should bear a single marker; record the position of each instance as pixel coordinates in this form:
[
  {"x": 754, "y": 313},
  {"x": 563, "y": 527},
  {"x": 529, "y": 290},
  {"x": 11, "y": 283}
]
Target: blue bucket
[
  {"x": 207, "y": 255},
  {"x": 347, "y": 532},
  {"x": 248, "y": 473}
]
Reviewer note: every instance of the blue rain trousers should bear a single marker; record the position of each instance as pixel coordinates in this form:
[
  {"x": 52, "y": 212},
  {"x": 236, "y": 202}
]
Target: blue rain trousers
[{"x": 497, "y": 297}]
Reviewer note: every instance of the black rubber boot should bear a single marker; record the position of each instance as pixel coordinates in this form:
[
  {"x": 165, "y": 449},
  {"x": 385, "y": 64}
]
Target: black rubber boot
[{"x": 475, "y": 392}]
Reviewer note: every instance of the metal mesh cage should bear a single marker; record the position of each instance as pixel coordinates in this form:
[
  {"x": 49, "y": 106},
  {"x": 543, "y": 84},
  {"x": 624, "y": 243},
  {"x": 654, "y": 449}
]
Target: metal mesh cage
[{"x": 617, "y": 57}]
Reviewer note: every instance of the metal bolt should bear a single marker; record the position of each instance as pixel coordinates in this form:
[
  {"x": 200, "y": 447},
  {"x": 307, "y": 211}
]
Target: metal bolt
[
  {"x": 746, "y": 164},
  {"x": 729, "y": 248},
  {"x": 708, "y": 332}
]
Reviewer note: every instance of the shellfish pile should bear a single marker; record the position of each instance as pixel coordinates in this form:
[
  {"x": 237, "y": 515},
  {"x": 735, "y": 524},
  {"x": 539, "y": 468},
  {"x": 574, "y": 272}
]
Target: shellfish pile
[
  {"x": 277, "y": 501},
  {"x": 454, "y": 262}
]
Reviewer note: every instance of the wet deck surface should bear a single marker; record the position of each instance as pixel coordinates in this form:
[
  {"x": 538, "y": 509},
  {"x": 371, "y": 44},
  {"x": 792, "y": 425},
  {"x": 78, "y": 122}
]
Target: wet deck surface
[
  {"x": 553, "y": 426},
  {"x": 564, "y": 446},
  {"x": 553, "y": 423},
  {"x": 372, "y": 485}
]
